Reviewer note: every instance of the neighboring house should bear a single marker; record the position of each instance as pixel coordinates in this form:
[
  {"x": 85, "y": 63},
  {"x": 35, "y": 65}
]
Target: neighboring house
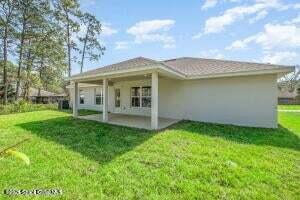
[
  {"x": 35, "y": 95},
  {"x": 288, "y": 95},
  {"x": 207, "y": 90},
  {"x": 42, "y": 96}
]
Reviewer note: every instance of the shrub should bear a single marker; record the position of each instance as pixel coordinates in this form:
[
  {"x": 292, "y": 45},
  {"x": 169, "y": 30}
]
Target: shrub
[{"x": 24, "y": 106}]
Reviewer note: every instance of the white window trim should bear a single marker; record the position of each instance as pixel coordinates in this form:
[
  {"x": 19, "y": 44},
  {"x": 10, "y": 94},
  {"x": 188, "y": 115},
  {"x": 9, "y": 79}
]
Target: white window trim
[
  {"x": 145, "y": 96},
  {"x": 140, "y": 96},
  {"x": 101, "y": 96},
  {"x": 81, "y": 93},
  {"x": 135, "y": 97},
  {"x": 119, "y": 97}
]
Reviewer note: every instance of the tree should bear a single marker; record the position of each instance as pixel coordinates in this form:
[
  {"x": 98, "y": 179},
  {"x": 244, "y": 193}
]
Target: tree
[
  {"x": 67, "y": 14},
  {"x": 42, "y": 46},
  {"x": 11, "y": 69},
  {"x": 28, "y": 12},
  {"x": 43, "y": 34},
  {"x": 50, "y": 60},
  {"x": 292, "y": 80},
  {"x": 7, "y": 17},
  {"x": 91, "y": 46}
]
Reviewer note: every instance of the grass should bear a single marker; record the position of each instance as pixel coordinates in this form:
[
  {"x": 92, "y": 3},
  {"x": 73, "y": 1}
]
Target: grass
[
  {"x": 23, "y": 106},
  {"x": 289, "y": 107},
  {"x": 90, "y": 160},
  {"x": 83, "y": 112}
]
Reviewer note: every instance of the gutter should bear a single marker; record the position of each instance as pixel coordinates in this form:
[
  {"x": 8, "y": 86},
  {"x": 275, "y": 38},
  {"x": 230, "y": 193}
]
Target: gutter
[{"x": 284, "y": 70}]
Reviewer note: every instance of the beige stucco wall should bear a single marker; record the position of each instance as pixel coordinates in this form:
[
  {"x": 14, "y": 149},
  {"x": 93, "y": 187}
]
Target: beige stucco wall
[
  {"x": 247, "y": 101},
  {"x": 89, "y": 98},
  {"x": 171, "y": 98},
  {"x": 125, "y": 107}
]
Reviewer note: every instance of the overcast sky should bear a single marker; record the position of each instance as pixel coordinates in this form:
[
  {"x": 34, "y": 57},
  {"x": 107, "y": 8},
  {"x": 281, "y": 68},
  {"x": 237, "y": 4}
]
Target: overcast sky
[{"x": 265, "y": 31}]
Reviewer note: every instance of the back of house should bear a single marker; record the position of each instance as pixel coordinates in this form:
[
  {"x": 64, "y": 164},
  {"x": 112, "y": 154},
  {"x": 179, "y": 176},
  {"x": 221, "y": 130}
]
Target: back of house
[{"x": 207, "y": 90}]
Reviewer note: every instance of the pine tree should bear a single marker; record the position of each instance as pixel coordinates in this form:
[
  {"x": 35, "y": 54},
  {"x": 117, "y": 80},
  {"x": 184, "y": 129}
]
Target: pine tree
[
  {"x": 7, "y": 26},
  {"x": 67, "y": 13},
  {"x": 91, "y": 47}
]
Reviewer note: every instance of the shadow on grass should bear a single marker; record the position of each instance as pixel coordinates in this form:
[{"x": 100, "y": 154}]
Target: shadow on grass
[
  {"x": 103, "y": 142},
  {"x": 82, "y": 112},
  {"x": 281, "y": 137},
  {"x": 95, "y": 140}
]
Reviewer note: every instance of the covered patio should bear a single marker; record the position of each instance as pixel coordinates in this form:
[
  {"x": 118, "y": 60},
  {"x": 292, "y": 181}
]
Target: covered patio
[
  {"x": 104, "y": 83},
  {"x": 134, "y": 121},
  {"x": 134, "y": 98}
]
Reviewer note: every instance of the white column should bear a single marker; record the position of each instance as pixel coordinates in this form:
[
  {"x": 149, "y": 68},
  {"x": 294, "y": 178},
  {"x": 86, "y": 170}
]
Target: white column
[
  {"x": 154, "y": 101},
  {"x": 105, "y": 100},
  {"x": 75, "y": 100}
]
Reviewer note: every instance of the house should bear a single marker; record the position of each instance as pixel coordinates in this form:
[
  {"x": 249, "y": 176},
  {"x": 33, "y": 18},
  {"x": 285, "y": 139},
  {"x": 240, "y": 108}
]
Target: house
[
  {"x": 43, "y": 96},
  {"x": 152, "y": 94},
  {"x": 288, "y": 94},
  {"x": 35, "y": 95}
]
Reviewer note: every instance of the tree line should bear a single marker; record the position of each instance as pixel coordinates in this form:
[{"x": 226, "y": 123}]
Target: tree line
[{"x": 40, "y": 40}]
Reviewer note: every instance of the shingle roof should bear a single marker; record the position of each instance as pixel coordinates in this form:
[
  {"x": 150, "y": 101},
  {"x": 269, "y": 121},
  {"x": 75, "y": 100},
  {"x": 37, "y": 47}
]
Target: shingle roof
[
  {"x": 186, "y": 66},
  {"x": 201, "y": 66},
  {"x": 127, "y": 64},
  {"x": 34, "y": 92}
]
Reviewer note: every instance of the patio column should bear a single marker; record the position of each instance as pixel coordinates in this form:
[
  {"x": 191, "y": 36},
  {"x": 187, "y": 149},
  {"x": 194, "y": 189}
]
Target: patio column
[
  {"x": 154, "y": 101},
  {"x": 75, "y": 100},
  {"x": 105, "y": 100}
]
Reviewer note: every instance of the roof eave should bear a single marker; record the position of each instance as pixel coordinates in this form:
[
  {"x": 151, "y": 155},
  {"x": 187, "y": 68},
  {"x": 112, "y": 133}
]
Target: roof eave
[
  {"x": 117, "y": 73},
  {"x": 280, "y": 71}
]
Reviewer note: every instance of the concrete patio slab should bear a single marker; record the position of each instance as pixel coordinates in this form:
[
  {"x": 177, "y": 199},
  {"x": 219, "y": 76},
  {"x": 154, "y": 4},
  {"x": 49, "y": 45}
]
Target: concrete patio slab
[{"x": 134, "y": 121}]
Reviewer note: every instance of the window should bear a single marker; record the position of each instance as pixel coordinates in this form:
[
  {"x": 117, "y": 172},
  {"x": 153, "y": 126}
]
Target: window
[
  {"x": 98, "y": 97},
  {"x": 117, "y": 98},
  {"x": 146, "y": 97},
  {"x": 135, "y": 96},
  {"x": 141, "y": 97},
  {"x": 81, "y": 97}
]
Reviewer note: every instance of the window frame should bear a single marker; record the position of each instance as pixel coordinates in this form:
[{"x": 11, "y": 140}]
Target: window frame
[
  {"x": 100, "y": 95},
  {"x": 81, "y": 97},
  {"x": 146, "y": 96},
  {"x": 119, "y": 99},
  {"x": 132, "y": 96},
  {"x": 140, "y": 97}
]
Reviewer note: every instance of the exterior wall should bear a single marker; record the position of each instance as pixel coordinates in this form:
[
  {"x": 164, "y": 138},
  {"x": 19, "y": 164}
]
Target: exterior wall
[
  {"x": 89, "y": 98},
  {"x": 125, "y": 107},
  {"x": 246, "y": 101},
  {"x": 171, "y": 98}
]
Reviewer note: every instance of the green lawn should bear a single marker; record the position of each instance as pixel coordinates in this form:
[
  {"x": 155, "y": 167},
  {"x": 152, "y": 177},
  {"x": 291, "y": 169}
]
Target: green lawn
[
  {"x": 90, "y": 160},
  {"x": 289, "y": 107},
  {"x": 83, "y": 112}
]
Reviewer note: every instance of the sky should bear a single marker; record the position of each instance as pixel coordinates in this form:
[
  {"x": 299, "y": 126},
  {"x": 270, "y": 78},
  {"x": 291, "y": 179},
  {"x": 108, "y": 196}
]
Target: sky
[{"x": 266, "y": 31}]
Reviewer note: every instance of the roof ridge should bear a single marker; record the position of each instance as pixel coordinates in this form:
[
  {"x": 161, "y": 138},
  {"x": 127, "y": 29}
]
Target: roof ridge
[
  {"x": 179, "y": 58},
  {"x": 171, "y": 67},
  {"x": 225, "y": 60}
]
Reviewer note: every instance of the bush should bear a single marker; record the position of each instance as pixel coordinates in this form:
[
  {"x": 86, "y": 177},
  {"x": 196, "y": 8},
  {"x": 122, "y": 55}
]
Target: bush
[{"x": 24, "y": 106}]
